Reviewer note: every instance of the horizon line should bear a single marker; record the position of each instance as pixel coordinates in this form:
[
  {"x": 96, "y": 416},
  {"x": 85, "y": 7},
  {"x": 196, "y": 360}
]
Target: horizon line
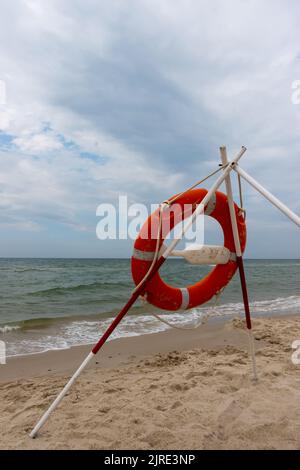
[{"x": 111, "y": 258}]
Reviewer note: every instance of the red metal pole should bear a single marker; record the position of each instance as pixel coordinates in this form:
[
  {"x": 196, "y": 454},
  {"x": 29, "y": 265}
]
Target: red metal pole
[
  {"x": 240, "y": 263},
  {"x": 126, "y": 307}
]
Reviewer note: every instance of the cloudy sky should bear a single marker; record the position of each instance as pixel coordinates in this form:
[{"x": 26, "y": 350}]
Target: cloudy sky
[{"x": 134, "y": 97}]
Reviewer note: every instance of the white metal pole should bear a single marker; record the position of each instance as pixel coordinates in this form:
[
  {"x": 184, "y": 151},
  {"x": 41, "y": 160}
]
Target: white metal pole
[
  {"x": 282, "y": 207},
  {"x": 239, "y": 253},
  {"x": 59, "y": 398}
]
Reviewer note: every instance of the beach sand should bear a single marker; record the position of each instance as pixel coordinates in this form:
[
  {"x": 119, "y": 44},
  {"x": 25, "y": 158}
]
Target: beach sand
[{"x": 171, "y": 390}]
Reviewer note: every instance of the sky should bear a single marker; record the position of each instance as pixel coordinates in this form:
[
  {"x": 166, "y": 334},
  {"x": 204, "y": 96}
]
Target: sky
[{"x": 134, "y": 97}]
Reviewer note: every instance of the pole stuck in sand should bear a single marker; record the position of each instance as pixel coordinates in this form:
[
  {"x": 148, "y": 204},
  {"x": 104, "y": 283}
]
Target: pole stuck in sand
[
  {"x": 239, "y": 259},
  {"x": 229, "y": 167}
]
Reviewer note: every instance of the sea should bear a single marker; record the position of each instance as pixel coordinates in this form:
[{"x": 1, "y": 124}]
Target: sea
[{"x": 48, "y": 304}]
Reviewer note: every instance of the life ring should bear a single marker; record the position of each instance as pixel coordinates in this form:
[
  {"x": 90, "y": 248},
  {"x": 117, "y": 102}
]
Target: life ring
[{"x": 167, "y": 297}]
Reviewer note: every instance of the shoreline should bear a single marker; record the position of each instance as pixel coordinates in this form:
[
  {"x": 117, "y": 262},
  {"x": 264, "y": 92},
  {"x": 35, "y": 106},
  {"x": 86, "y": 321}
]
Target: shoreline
[
  {"x": 124, "y": 350},
  {"x": 121, "y": 351},
  {"x": 38, "y": 336}
]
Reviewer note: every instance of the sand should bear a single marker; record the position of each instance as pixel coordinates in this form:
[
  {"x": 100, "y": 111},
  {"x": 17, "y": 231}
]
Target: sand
[{"x": 171, "y": 390}]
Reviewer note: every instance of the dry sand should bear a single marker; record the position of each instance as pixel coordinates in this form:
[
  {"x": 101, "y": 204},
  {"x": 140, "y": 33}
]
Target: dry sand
[{"x": 196, "y": 392}]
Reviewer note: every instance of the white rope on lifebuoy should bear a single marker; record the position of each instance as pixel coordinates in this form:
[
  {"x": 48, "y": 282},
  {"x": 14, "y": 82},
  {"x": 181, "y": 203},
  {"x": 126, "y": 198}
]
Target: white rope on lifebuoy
[{"x": 204, "y": 319}]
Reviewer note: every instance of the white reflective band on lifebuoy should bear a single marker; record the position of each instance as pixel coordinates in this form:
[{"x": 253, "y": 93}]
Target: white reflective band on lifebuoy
[
  {"x": 232, "y": 257},
  {"x": 185, "y": 298},
  {"x": 211, "y": 205},
  {"x": 147, "y": 255}
]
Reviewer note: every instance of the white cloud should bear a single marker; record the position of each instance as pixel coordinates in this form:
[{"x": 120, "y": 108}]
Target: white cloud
[
  {"x": 37, "y": 143},
  {"x": 21, "y": 225}
]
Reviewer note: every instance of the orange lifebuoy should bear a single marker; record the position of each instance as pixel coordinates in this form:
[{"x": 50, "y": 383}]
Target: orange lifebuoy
[{"x": 159, "y": 293}]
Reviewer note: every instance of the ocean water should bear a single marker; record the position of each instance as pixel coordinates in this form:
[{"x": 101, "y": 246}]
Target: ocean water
[{"x": 58, "y": 303}]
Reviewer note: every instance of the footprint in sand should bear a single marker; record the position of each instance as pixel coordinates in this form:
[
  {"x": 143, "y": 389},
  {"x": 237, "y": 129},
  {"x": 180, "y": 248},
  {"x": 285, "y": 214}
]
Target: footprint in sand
[
  {"x": 158, "y": 437},
  {"x": 104, "y": 409},
  {"x": 231, "y": 412},
  {"x": 176, "y": 404}
]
